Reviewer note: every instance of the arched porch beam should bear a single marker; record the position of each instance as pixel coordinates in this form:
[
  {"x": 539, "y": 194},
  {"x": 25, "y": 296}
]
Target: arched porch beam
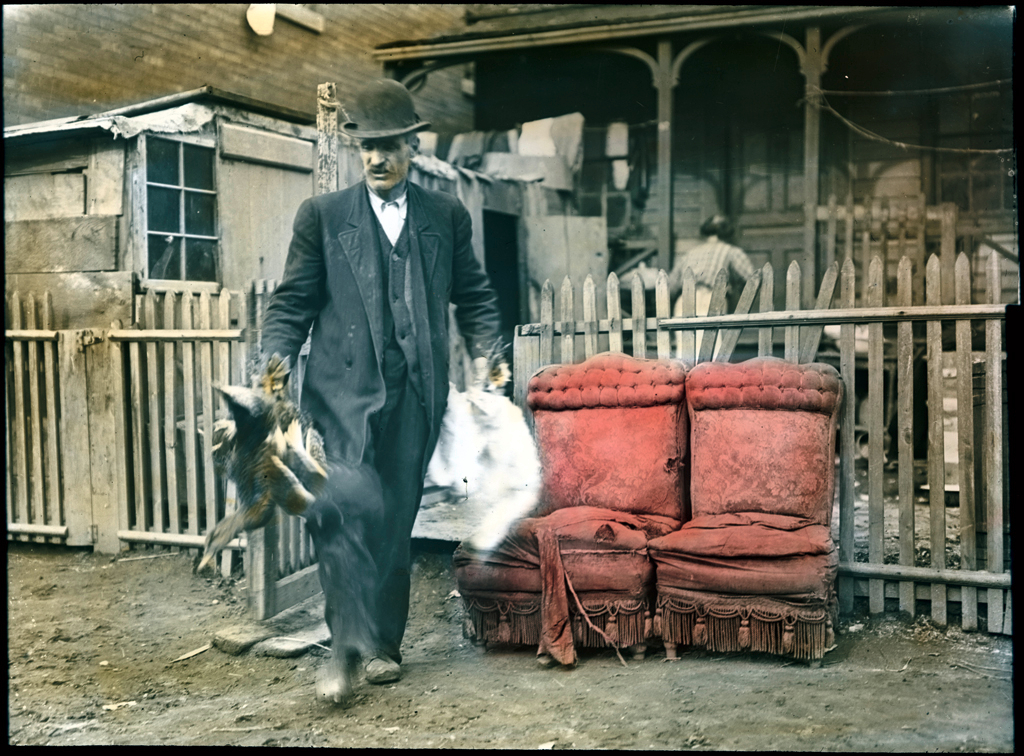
[
  {"x": 835, "y": 39},
  {"x": 665, "y": 76}
]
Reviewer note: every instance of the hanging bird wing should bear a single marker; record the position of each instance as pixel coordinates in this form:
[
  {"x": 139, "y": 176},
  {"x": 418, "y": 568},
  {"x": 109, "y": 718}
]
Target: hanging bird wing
[{"x": 273, "y": 457}]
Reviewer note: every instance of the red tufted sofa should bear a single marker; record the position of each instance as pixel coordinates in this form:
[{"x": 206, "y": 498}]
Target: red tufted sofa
[
  {"x": 628, "y": 447},
  {"x": 612, "y": 439}
]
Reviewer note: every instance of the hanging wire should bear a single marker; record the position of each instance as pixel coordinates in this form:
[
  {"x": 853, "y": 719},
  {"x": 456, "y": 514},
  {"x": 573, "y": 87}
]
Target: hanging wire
[
  {"x": 867, "y": 134},
  {"x": 911, "y": 92}
]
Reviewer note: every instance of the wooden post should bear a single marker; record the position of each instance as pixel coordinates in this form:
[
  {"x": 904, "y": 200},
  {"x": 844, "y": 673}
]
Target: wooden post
[
  {"x": 74, "y": 438},
  {"x": 108, "y": 441},
  {"x": 327, "y": 138},
  {"x": 812, "y": 66},
  {"x": 664, "y": 82}
]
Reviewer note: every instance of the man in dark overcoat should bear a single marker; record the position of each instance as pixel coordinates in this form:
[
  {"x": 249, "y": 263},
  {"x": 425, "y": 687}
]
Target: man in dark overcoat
[{"x": 372, "y": 269}]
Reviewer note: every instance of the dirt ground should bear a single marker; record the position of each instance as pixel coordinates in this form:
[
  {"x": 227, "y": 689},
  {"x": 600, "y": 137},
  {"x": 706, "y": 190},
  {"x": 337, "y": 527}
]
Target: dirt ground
[{"x": 92, "y": 644}]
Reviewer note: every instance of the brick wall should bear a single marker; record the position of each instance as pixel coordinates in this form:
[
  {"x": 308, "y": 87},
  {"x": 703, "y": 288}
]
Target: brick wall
[{"x": 65, "y": 60}]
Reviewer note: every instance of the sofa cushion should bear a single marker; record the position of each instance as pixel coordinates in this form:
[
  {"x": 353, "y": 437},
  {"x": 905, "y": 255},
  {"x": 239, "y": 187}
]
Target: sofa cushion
[
  {"x": 600, "y": 551},
  {"x": 764, "y": 383},
  {"x": 809, "y": 576},
  {"x": 746, "y": 534},
  {"x": 612, "y": 433},
  {"x": 609, "y": 379}
]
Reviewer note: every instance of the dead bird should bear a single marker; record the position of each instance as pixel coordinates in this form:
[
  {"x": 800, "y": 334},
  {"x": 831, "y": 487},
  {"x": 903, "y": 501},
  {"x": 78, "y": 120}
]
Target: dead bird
[{"x": 271, "y": 451}]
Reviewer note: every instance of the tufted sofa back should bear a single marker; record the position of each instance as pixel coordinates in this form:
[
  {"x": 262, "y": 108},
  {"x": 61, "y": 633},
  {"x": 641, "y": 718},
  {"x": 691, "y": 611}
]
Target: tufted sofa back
[
  {"x": 612, "y": 433},
  {"x": 762, "y": 435}
]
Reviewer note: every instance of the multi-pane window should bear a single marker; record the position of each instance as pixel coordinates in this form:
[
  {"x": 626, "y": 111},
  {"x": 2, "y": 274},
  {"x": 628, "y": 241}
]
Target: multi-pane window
[
  {"x": 182, "y": 211},
  {"x": 976, "y": 182}
]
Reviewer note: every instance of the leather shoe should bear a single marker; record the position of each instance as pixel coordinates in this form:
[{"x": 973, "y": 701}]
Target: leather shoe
[{"x": 381, "y": 669}]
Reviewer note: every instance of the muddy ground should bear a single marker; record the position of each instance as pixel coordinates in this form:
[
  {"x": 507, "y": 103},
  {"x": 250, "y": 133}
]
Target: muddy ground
[{"x": 92, "y": 643}]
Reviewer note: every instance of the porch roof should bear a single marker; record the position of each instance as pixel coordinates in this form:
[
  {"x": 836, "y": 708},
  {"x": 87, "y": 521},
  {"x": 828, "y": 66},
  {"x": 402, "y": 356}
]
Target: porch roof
[
  {"x": 203, "y": 96},
  {"x": 497, "y": 28}
]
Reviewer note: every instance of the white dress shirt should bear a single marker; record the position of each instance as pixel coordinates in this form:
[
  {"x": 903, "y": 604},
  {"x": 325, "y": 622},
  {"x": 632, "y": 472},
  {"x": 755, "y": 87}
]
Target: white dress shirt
[{"x": 391, "y": 214}]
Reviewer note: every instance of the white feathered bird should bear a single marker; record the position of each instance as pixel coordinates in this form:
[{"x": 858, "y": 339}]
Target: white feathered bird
[{"x": 486, "y": 455}]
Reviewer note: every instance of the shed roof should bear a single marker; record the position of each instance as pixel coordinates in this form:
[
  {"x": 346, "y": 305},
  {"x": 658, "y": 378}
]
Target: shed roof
[
  {"x": 490, "y": 28},
  {"x": 202, "y": 96}
]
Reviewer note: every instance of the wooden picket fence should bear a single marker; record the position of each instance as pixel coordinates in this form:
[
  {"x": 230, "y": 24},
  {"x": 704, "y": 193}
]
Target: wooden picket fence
[
  {"x": 109, "y": 431},
  {"x": 982, "y": 499}
]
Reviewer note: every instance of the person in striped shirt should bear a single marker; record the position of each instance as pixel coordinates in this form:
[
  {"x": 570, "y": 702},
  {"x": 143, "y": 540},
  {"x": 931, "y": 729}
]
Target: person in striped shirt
[{"x": 705, "y": 260}]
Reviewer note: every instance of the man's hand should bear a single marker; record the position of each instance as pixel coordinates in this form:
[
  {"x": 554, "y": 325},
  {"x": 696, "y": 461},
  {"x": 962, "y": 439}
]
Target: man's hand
[{"x": 490, "y": 376}]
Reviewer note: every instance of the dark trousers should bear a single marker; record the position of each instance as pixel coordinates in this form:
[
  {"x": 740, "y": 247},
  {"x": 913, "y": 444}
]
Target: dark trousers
[{"x": 362, "y": 531}]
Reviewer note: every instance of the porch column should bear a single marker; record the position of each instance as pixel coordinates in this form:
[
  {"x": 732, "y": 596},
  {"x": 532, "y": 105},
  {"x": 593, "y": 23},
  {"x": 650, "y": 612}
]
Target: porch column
[
  {"x": 664, "y": 82},
  {"x": 812, "y": 67}
]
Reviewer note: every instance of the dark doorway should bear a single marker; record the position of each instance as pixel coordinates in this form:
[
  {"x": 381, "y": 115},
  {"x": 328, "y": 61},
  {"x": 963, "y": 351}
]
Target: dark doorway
[{"x": 501, "y": 256}]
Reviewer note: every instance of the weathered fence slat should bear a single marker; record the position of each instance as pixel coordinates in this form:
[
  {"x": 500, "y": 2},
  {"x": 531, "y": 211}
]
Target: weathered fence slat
[
  {"x": 686, "y": 340},
  {"x": 810, "y": 336},
  {"x": 138, "y": 423},
  {"x": 876, "y": 430},
  {"x": 170, "y": 419},
  {"x": 767, "y": 304},
  {"x": 792, "y": 337},
  {"x": 547, "y": 323},
  {"x": 188, "y": 372},
  {"x": 993, "y": 449},
  {"x": 53, "y": 466},
  {"x": 847, "y": 365},
  {"x": 905, "y": 433},
  {"x": 638, "y": 313},
  {"x": 707, "y": 340},
  {"x": 662, "y": 309},
  {"x": 206, "y": 385},
  {"x": 936, "y": 452},
  {"x": 590, "y": 339},
  {"x": 37, "y": 505},
  {"x": 568, "y": 323},
  {"x": 730, "y": 336},
  {"x": 830, "y": 232},
  {"x": 155, "y": 463},
  {"x": 20, "y": 440},
  {"x": 965, "y": 445},
  {"x": 222, "y": 375},
  {"x": 614, "y": 313}
]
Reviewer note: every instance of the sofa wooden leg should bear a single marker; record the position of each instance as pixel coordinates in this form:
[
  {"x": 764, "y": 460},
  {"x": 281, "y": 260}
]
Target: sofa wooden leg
[
  {"x": 638, "y": 651},
  {"x": 670, "y": 651}
]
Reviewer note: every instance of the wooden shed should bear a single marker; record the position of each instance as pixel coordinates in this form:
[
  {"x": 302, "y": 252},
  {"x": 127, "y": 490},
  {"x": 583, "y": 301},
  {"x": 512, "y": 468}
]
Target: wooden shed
[{"x": 191, "y": 192}]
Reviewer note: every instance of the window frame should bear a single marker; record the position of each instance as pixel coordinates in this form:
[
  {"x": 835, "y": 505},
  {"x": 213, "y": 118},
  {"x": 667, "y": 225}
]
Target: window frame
[
  {"x": 142, "y": 233},
  {"x": 972, "y": 171}
]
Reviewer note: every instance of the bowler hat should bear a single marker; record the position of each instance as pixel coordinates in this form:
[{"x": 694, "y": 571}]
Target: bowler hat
[{"x": 383, "y": 108}]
